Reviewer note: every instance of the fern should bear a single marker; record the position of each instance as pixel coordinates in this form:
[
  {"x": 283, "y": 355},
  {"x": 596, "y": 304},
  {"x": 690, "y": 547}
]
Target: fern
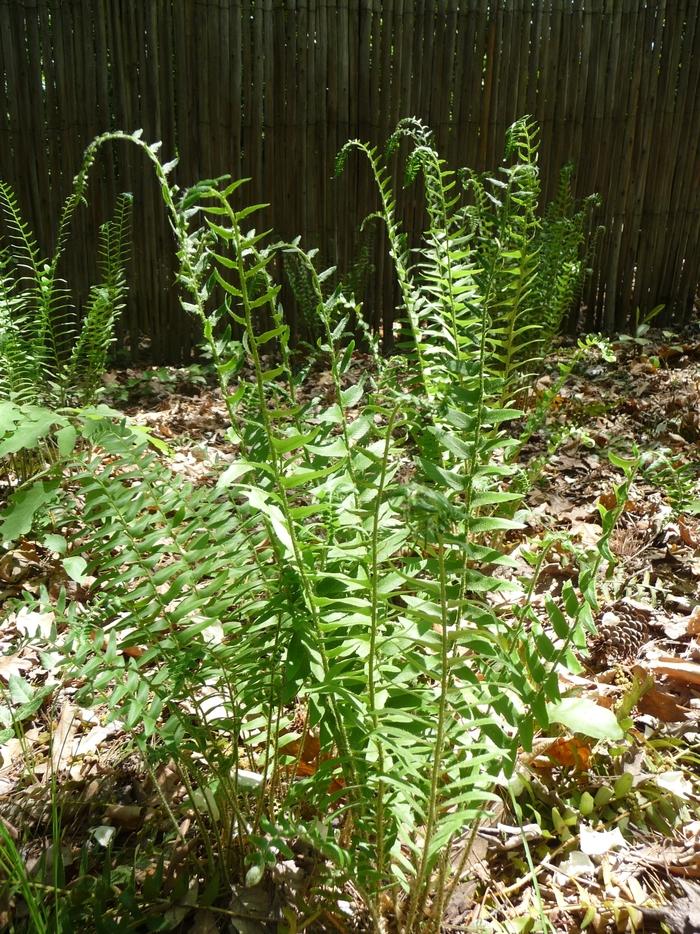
[
  {"x": 22, "y": 362},
  {"x": 337, "y": 584},
  {"x": 488, "y": 261},
  {"x": 182, "y": 563},
  {"x": 352, "y": 286},
  {"x": 88, "y": 358},
  {"x": 542, "y": 260},
  {"x": 398, "y": 249},
  {"x": 48, "y": 354}
]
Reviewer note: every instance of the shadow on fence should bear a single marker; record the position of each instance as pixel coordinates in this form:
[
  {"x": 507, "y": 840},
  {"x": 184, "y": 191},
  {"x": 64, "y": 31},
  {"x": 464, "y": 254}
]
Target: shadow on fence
[{"x": 271, "y": 89}]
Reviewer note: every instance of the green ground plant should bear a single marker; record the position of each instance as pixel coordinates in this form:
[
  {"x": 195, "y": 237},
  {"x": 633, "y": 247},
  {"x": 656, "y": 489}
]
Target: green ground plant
[
  {"x": 679, "y": 482},
  {"x": 339, "y": 587},
  {"x": 49, "y": 353},
  {"x": 489, "y": 266},
  {"x": 352, "y": 286},
  {"x": 38, "y": 450},
  {"x": 52, "y": 357},
  {"x": 18, "y": 881}
]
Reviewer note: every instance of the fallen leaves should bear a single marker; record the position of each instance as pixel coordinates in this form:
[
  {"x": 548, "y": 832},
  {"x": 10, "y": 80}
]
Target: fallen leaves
[
  {"x": 598, "y": 842},
  {"x": 572, "y": 752},
  {"x": 34, "y": 624},
  {"x": 662, "y": 705},
  {"x": 675, "y": 668},
  {"x": 124, "y": 816},
  {"x": 62, "y": 739},
  {"x": 693, "y": 623},
  {"x": 12, "y": 666}
]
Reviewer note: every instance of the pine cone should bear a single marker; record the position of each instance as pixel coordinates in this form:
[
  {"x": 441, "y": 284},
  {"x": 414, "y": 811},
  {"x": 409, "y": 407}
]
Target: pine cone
[{"x": 622, "y": 631}]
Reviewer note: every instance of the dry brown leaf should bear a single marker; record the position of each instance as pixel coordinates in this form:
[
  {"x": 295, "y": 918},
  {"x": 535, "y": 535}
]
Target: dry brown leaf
[
  {"x": 13, "y": 665},
  {"x": 168, "y": 779},
  {"x": 687, "y": 536},
  {"x": 310, "y": 751},
  {"x": 605, "y": 699},
  {"x": 609, "y": 501},
  {"x": 91, "y": 740},
  {"x": 62, "y": 738},
  {"x": 663, "y": 706},
  {"x": 11, "y": 830},
  {"x": 15, "y": 566},
  {"x": 129, "y": 651},
  {"x": 33, "y": 624},
  {"x": 304, "y": 769},
  {"x": 693, "y": 627},
  {"x": 691, "y": 835},
  {"x": 127, "y": 816},
  {"x": 571, "y": 752},
  {"x": 688, "y": 672},
  {"x": 10, "y": 752},
  {"x": 675, "y": 628},
  {"x": 587, "y": 532}
]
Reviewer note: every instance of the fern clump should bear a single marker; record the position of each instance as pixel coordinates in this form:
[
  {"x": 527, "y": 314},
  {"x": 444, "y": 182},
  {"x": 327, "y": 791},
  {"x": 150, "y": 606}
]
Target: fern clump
[
  {"x": 339, "y": 587},
  {"x": 490, "y": 267},
  {"x": 50, "y": 354}
]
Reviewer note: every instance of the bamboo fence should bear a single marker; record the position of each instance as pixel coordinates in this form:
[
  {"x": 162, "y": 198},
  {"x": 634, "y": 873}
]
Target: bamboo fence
[{"x": 271, "y": 89}]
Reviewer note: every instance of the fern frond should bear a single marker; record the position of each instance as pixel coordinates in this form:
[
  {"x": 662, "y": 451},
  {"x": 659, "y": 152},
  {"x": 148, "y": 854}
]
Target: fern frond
[
  {"x": 52, "y": 324},
  {"x": 24, "y": 246},
  {"x": 397, "y": 245},
  {"x": 32, "y": 275},
  {"x": 20, "y": 368},
  {"x": 46, "y": 355},
  {"x": 88, "y": 357}
]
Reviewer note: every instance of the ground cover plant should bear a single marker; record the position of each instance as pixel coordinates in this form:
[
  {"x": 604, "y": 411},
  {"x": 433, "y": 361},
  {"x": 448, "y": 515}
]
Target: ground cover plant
[
  {"x": 335, "y": 653},
  {"x": 52, "y": 358},
  {"x": 49, "y": 354}
]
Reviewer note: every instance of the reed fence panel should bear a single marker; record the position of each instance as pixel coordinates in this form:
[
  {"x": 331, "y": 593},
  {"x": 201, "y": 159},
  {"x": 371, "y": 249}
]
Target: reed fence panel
[{"x": 271, "y": 89}]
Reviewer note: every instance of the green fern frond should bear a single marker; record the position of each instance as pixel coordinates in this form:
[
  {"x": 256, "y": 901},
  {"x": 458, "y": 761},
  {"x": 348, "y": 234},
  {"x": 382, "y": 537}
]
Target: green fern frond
[
  {"x": 523, "y": 140},
  {"x": 398, "y": 248},
  {"x": 19, "y": 371},
  {"x": 493, "y": 260},
  {"x": 88, "y": 357},
  {"x": 47, "y": 357},
  {"x": 25, "y": 250}
]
